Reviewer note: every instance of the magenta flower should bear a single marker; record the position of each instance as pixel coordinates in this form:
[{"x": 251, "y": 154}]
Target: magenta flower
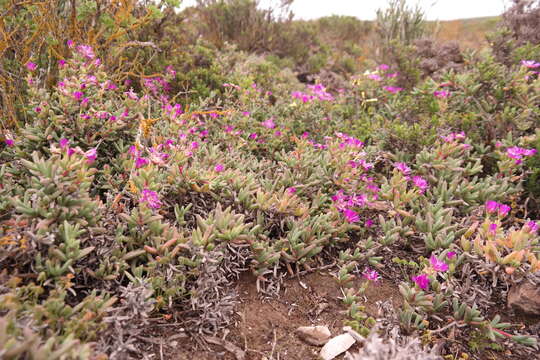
[
  {"x": 131, "y": 94},
  {"x": 351, "y": 215},
  {"x": 451, "y": 254},
  {"x": 375, "y": 77},
  {"x": 133, "y": 150},
  {"x": 86, "y": 51},
  {"x": 368, "y": 223},
  {"x": 392, "y": 75},
  {"x": 441, "y": 94},
  {"x": 504, "y": 210},
  {"x": 269, "y": 123},
  {"x": 518, "y": 153},
  {"x": 246, "y": 113},
  {"x": 392, "y": 89},
  {"x": 170, "y": 70},
  {"x": 531, "y": 64},
  {"x": 63, "y": 143},
  {"x": 219, "y": 168},
  {"x": 140, "y": 162},
  {"x": 403, "y": 168},
  {"x": 437, "y": 264},
  {"x": 194, "y": 145},
  {"x": 532, "y": 226},
  {"x": 493, "y": 229},
  {"x": 383, "y": 67},
  {"x": 31, "y": 66},
  {"x": 371, "y": 275},
  {"x": 253, "y": 136},
  {"x": 151, "y": 198},
  {"x": 420, "y": 183},
  {"x": 78, "y": 95},
  {"x": 91, "y": 155},
  {"x": 291, "y": 190},
  {"x": 491, "y": 206},
  {"x": 422, "y": 281},
  {"x": 61, "y": 63},
  {"x": 9, "y": 142}
]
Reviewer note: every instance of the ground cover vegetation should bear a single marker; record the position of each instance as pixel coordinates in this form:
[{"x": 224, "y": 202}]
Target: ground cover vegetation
[{"x": 149, "y": 158}]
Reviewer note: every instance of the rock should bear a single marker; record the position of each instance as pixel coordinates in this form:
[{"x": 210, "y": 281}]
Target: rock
[
  {"x": 336, "y": 346},
  {"x": 525, "y": 297},
  {"x": 314, "y": 335}
]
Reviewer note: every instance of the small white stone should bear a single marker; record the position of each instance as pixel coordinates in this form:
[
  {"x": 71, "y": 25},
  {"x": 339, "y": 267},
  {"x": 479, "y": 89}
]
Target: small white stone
[
  {"x": 336, "y": 346},
  {"x": 314, "y": 335}
]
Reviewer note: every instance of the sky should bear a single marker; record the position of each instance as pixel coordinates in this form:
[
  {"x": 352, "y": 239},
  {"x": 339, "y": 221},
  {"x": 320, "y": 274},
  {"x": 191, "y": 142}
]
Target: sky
[{"x": 365, "y": 9}]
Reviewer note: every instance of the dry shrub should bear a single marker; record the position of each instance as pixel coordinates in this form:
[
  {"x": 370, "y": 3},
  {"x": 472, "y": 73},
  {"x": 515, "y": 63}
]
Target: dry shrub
[{"x": 520, "y": 27}]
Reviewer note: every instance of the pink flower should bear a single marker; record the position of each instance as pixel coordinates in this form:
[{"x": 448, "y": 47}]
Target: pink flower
[
  {"x": 351, "y": 215},
  {"x": 31, "y": 66},
  {"x": 78, "y": 95},
  {"x": 375, "y": 77},
  {"x": 61, "y": 63},
  {"x": 253, "y": 136},
  {"x": 518, "y": 153},
  {"x": 453, "y": 137},
  {"x": 403, "y": 168},
  {"x": 422, "y": 281},
  {"x": 532, "y": 226},
  {"x": 91, "y": 155},
  {"x": 219, "y": 168},
  {"x": 392, "y": 75},
  {"x": 194, "y": 145},
  {"x": 491, "y": 206},
  {"x": 151, "y": 198},
  {"x": 170, "y": 70},
  {"x": 70, "y": 44},
  {"x": 131, "y": 94},
  {"x": 441, "y": 94},
  {"x": 140, "y": 162},
  {"x": 420, "y": 183},
  {"x": 392, "y": 89},
  {"x": 531, "y": 64},
  {"x": 246, "y": 113},
  {"x": 493, "y": 229},
  {"x": 269, "y": 123},
  {"x": 371, "y": 275},
  {"x": 63, "y": 143},
  {"x": 86, "y": 51},
  {"x": 9, "y": 142},
  {"x": 437, "y": 264},
  {"x": 368, "y": 223},
  {"x": 37, "y": 109},
  {"x": 383, "y": 67},
  {"x": 504, "y": 210},
  {"x": 450, "y": 254},
  {"x": 133, "y": 150},
  {"x": 291, "y": 190}
]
